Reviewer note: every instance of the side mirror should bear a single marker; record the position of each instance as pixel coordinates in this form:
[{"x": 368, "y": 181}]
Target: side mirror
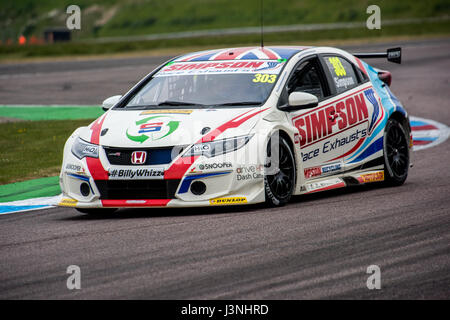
[
  {"x": 300, "y": 100},
  {"x": 110, "y": 102}
]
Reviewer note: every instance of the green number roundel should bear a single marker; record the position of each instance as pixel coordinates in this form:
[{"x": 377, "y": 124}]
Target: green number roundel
[{"x": 155, "y": 127}]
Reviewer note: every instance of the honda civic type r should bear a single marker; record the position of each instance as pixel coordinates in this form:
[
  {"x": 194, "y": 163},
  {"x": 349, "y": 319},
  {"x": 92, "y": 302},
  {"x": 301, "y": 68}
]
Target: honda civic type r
[{"x": 240, "y": 126}]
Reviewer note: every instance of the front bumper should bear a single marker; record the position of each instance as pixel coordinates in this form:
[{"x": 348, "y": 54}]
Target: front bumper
[{"x": 228, "y": 180}]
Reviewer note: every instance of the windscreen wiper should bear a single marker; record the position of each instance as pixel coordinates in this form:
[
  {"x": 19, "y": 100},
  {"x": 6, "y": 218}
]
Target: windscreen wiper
[
  {"x": 244, "y": 103},
  {"x": 178, "y": 103},
  {"x": 140, "y": 106}
]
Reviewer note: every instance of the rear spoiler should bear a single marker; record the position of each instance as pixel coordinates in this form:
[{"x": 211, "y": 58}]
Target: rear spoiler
[{"x": 392, "y": 55}]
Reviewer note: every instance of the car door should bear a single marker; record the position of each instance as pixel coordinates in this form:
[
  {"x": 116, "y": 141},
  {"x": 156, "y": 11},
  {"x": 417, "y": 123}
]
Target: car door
[
  {"x": 349, "y": 112},
  {"x": 308, "y": 76},
  {"x": 328, "y": 132}
]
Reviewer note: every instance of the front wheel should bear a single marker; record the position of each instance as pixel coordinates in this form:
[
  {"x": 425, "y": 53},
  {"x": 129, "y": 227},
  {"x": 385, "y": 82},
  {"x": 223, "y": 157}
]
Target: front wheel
[
  {"x": 279, "y": 177},
  {"x": 396, "y": 153}
]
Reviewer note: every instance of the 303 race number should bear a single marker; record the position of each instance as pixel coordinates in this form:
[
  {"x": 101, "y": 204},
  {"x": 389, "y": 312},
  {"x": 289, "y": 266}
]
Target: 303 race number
[{"x": 263, "y": 78}]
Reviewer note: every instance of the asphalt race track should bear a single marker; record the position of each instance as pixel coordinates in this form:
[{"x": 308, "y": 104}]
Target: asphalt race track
[{"x": 316, "y": 247}]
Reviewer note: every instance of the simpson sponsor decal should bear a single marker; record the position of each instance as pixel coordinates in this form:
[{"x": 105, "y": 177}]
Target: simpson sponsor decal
[
  {"x": 318, "y": 171},
  {"x": 321, "y": 123},
  {"x": 226, "y": 201},
  {"x": 312, "y": 172},
  {"x": 242, "y": 66},
  {"x": 373, "y": 177},
  {"x": 120, "y": 174}
]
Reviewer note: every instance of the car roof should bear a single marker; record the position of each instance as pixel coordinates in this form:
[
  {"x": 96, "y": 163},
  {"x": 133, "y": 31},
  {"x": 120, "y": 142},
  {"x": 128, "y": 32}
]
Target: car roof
[{"x": 243, "y": 53}]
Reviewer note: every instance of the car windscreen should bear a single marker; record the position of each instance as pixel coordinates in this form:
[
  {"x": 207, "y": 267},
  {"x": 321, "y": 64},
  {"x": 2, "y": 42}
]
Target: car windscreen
[{"x": 208, "y": 84}]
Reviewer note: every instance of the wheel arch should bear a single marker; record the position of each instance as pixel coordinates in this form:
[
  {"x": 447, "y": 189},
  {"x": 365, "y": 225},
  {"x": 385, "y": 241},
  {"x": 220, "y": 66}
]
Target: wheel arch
[
  {"x": 272, "y": 199},
  {"x": 288, "y": 138},
  {"x": 288, "y": 132},
  {"x": 400, "y": 117},
  {"x": 403, "y": 120},
  {"x": 285, "y": 134},
  {"x": 291, "y": 144}
]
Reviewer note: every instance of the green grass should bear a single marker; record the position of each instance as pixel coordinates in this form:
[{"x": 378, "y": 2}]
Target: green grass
[
  {"x": 109, "y": 18},
  {"x": 104, "y": 18},
  {"x": 306, "y": 38},
  {"x": 55, "y": 112},
  {"x": 42, "y": 187},
  {"x": 160, "y": 16},
  {"x": 33, "y": 149}
]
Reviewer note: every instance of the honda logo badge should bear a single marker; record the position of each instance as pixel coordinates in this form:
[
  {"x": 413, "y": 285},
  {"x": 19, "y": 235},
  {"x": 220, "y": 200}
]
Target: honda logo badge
[{"x": 138, "y": 157}]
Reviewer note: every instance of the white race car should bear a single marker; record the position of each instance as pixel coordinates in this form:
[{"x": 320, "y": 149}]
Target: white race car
[{"x": 240, "y": 126}]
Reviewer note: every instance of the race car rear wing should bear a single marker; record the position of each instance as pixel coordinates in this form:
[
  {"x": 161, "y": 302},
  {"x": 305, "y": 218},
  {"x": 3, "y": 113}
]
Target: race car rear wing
[{"x": 392, "y": 55}]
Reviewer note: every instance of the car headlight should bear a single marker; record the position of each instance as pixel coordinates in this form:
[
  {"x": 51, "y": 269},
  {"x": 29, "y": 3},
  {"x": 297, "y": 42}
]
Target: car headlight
[
  {"x": 81, "y": 149},
  {"x": 215, "y": 148}
]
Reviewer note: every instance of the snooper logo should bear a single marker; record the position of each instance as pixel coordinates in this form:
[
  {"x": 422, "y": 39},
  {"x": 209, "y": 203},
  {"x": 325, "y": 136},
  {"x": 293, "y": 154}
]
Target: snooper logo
[{"x": 154, "y": 128}]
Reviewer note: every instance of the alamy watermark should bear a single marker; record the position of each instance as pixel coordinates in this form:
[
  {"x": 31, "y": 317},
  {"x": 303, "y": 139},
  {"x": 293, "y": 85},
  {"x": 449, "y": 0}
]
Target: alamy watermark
[
  {"x": 73, "y": 21},
  {"x": 74, "y": 280},
  {"x": 374, "y": 280},
  {"x": 374, "y": 20}
]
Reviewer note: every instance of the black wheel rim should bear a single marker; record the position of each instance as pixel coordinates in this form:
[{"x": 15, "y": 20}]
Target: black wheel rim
[
  {"x": 397, "y": 151},
  {"x": 281, "y": 182}
]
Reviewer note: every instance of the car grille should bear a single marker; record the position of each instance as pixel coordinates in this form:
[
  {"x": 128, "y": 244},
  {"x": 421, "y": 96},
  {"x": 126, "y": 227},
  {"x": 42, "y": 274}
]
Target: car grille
[
  {"x": 137, "y": 189},
  {"x": 122, "y": 156}
]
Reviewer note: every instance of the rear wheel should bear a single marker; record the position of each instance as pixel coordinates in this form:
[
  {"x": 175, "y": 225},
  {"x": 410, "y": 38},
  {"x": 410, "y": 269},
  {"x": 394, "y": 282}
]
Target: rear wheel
[
  {"x": 97, "y": 212},
  {"x": 279, "y": 178},
  {"x": 396, "y": 153}
]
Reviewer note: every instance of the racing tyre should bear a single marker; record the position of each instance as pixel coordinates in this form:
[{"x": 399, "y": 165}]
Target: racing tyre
[
  {"x": 279, "y": 179},
  {"x": 396, "y": 153},
  {"x": 97, "y": 212}
]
